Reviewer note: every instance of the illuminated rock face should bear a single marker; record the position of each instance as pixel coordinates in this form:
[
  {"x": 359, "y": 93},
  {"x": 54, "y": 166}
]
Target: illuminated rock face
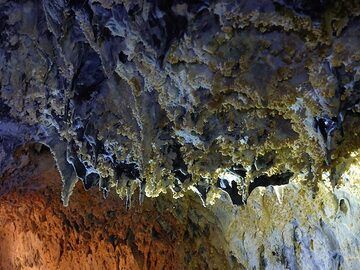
[
  {"x": 251, "y": 105},
  {"x": 286, "y": 228}
]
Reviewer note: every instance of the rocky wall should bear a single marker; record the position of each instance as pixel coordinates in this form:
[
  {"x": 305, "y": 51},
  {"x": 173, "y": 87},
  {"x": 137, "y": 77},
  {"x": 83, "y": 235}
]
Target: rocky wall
[{"x": 252, "y": 106}]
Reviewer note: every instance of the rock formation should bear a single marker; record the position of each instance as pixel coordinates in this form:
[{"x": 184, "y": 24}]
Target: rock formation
[{"x": 236, "y": 122}]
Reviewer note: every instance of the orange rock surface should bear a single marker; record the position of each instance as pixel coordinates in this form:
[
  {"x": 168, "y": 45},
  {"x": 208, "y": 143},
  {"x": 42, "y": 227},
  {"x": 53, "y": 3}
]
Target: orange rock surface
[{"x": 38, "y": 232}]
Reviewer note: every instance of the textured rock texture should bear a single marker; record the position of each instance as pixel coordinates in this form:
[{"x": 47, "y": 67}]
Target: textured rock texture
[
  {"x": 287, "y": 228},
  {"x": 228, "y": 100},
  {"x": 37, "y": 232}
]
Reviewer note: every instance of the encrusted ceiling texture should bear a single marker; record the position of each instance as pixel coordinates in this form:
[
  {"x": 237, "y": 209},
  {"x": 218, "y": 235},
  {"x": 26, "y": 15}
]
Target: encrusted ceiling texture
[{"x": 250, "y": 106}]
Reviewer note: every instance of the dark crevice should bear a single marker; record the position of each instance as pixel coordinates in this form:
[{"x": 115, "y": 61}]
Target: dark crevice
[
  {"x": 79, "y": 167},
  {"x": 91, "y": 180},
  {"x": 180, "y": 169},
  {"x": 130, "y": 170},
  {"x": 203, "y": 189},
  {"x": 4, "y": 108},
  {"x": 231, "y": 189},
  {"x": 274, "y": 180},
  {"x": 123, "y": 57},
  {"x": 313, "y": 8},
  {"x": 239, "y": 170},
  {"x": 89, "y": 75},
  {"x": 326, "y": 126},
  {"x": 165, "y": 29},
  {"x": 104, "y": 186}
]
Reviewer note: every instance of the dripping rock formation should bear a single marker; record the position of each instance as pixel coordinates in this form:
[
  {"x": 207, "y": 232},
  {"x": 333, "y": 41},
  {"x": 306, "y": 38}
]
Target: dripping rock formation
[{"x": 177, "y": 134}]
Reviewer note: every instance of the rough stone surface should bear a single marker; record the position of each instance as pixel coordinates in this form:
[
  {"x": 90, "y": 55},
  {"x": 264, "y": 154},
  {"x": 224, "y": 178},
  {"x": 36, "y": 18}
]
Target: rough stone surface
[
  {"x": 252, "y": 105},
  {"x": 287, "y": 228},
  {"x": 37, "y": 232}
]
